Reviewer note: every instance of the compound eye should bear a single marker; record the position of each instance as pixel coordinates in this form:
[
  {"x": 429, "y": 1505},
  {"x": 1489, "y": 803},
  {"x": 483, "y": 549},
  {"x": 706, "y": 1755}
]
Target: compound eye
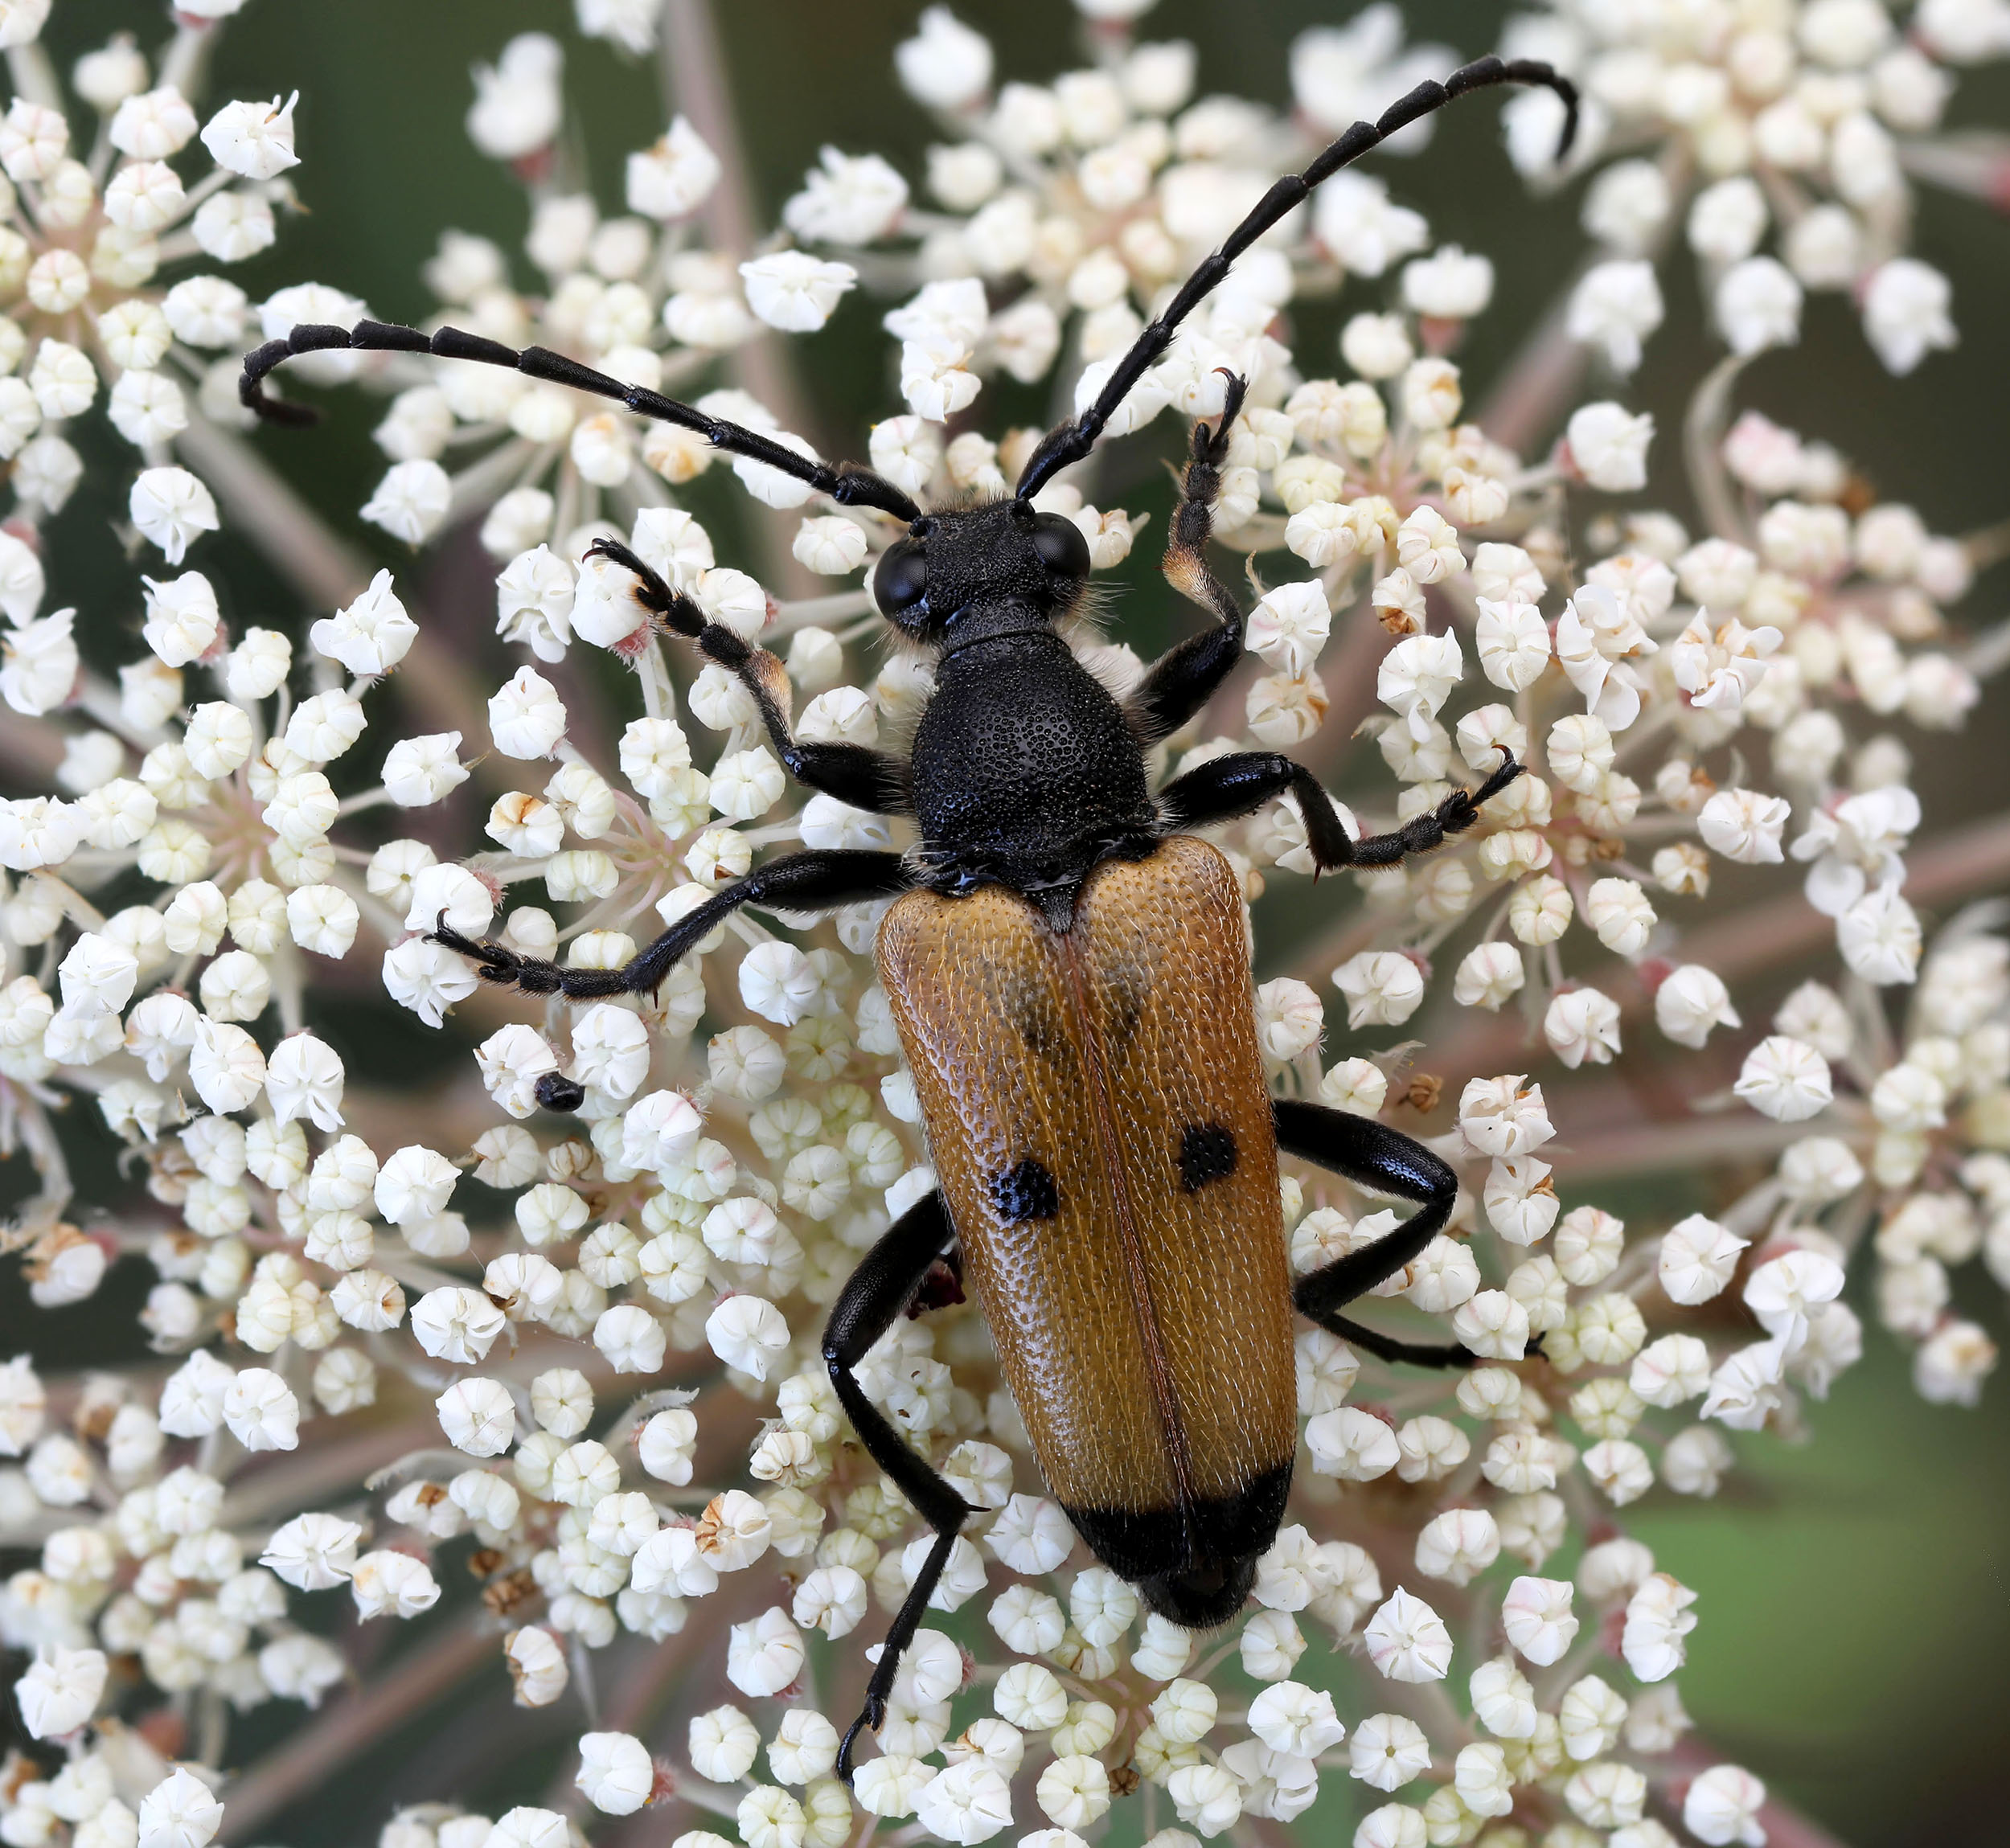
[
  {"x": 1059, "y": 543},
  {"x": 900, "y": 581}
]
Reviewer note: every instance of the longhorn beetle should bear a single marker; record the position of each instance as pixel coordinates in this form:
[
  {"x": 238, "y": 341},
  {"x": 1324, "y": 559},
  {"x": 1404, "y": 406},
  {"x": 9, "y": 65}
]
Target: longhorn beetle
[{"x": 1067, "y": 968}]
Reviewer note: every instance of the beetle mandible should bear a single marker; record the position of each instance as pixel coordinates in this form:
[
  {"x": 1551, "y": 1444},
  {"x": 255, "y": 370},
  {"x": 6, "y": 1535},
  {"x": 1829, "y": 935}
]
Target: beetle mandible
[{"x": 1067, "y": 968}]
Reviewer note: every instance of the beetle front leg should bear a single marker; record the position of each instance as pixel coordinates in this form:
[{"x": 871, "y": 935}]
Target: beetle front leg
[
  {"x": 1372, "y": 1155},
  {"x": 871, "y": 1300},
  {"x": 856, "y": 774},
  {"x": 1240, "y": 783},
  {"x": 1185, "y": 678}
]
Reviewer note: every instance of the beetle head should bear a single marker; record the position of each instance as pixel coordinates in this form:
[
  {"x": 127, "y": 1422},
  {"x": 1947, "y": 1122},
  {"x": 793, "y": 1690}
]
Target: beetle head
[{"x": 959, "y": 565}]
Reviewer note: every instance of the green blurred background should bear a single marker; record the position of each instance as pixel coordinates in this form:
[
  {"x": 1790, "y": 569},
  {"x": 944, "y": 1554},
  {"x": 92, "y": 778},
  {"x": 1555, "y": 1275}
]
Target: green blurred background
[{"x": 1855, "y": 1592}]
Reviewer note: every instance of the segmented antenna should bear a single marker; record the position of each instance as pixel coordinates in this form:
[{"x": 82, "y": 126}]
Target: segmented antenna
[
  {"x": 849, "y": 485},
  {"x": 1070, "y": 441}
]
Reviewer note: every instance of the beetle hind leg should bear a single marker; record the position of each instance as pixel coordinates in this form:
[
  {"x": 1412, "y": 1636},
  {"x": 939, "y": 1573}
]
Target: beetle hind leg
[
  {"x": 871, "y": 1301},
  {"x": 1368, "y": 1153}
]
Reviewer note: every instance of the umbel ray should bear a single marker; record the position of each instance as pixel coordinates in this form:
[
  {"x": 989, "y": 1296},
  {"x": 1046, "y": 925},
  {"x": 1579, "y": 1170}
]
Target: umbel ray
[{"x": 1066, "y": 966}]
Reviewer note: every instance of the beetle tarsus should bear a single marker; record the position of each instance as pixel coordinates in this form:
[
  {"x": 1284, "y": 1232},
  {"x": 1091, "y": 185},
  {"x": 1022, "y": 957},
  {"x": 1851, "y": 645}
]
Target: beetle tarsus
[
  {"x": 867, "y": 1721},
  {"x": 493, "y": 962}
]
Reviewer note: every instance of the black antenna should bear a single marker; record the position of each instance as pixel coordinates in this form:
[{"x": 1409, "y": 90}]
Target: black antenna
[
  {"x": 848, "y": 486},
  {"x": 1071, "y": 441}
]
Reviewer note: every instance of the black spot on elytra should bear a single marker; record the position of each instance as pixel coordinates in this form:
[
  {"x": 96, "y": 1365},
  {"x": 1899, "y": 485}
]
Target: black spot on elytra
[
  {"x": 1026, "y": 1190},
  {"x": 1127, "y": 986},
  {"x": 1207, "y": 1152},
  {"x": 1039, "y": 1025}
]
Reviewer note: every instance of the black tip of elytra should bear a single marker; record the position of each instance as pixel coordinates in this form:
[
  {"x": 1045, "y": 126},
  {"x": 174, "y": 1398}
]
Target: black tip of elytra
[{"x": 1201, "y": 1597}]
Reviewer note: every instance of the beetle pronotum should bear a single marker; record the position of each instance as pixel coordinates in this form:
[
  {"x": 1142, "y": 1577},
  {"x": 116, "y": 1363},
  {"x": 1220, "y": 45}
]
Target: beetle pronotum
[{"x": 1066, "y": 965}]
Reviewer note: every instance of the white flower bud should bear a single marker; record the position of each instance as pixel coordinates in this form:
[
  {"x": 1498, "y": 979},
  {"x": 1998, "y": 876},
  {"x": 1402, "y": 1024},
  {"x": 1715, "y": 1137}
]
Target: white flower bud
[
  {"x": 1609, "y": 446},
  {"x": 1382, "y": 987},
  {"x": 615, "y": 1773},
  {"x": 1290, "y": 626},
  {"x": 1785, "y": 1079},
  {"x": 748, "y": 1333},
  {"x": 1697, "y": 1258},
  {"x": 1407, "y": 1640}
]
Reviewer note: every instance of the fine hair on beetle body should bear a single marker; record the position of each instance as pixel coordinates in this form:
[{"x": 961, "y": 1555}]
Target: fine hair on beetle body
[{"x": 1066, "y": 964}]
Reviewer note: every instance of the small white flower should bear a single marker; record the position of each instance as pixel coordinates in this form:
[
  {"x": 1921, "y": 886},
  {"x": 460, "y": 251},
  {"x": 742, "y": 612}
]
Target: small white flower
[
  {"x": 304, "y": 1078},
  {"x": 615, "y": 1773},
  {"x": 1785, "y": 1079},
  {"x": 60, "y": 1691},
  {"x": 1353, "y": 217},
  {"x": 169, "y": 506},
  {"x": 526, "y": 718},
  {"x": 1697, "y": 1257},
  {"x": 1407, "y": 1640},
  {"x": 1290, "y": 626},
  {"x": 392, "y": 1584},
  {"x": 764, "y": 1656},
  {"x": 254, "y": 140},
  {"x": 1536, "y": 1615},
  {"x": 313, "y": 1552},
  {"x": 945, "y": 66},
  {"x": 1615, "y": 307},
  {"x": 1416, "y": 677},
  {"x": 1513, "y": 642},
  {"x": 261, "y": 1411},
  {"x": 456, "y": 1325},
  {"x": 1608, "y": 445},
  {"x": 1449, "y": 285},
  {"x": 1757, "y": 306},
  {"x": 411, "y": 501},
  {"x": 1658, "y": 1618},
  {"x": 1906, "y": 313},
  {"x": 1880, "y": 937},
  {"x": 847, "y": 200},
  {"x": 41, "y": 664},
  {"x": 794, "y": 291},
  {"x": 748, "y": 1333},
  {"x": 1745, "y": 825},
  {"x": 1722, "y": 1807},
  {"x": 1691, "y": 1002},
  {"x": 372, "y": 635},
  {"x": 518, "y": 105},
  {"x": 180, "y": 1811}
]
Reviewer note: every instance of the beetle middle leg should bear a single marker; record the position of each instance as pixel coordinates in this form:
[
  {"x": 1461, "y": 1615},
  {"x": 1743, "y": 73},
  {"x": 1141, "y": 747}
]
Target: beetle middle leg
[
  {"x": 818, "y": 881},
  {"x": 1242, "y": 782},
  {"x": 1373, "y": 1155},
  {"x": 871, "y": 1300}
]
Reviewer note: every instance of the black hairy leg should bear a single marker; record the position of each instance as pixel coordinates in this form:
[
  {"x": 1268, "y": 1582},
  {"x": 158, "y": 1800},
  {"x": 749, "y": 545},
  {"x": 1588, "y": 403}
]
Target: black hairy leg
[
  {"x": 854, "y": 773},
  {"x": 1370, "y": 1155},
  {"x": 1183, "y": 679},
  {"x": 820, "y": 881},
  {"x": 872, "y": 1299},
  {"x": 1241, "y": 783}
]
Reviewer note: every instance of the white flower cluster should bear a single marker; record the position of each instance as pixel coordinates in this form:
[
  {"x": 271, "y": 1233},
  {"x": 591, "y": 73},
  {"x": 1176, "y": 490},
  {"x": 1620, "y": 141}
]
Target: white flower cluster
[
  {"x": 636, "y": 295},
  {"x": 110, "y": 299},
  {"x": 1082, "y": 203},
  {"x": 1798, "y": 126}
]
